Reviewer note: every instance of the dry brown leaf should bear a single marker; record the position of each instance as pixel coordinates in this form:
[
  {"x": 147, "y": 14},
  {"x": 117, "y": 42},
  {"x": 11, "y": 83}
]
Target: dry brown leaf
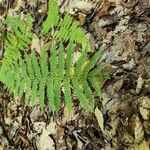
[
  {"x": 145, "y": 113},
  {"x": 45, "y": 142},
  {"x": 117, "y": 2},
  {"x": 32, "y": 3},
  {"x": 103, "y": 11},
  {"x": 140, "y": 82},
  {"x": 144, "y": 146},
  {"x": 36, "y": 44},
  {"x": 51, "y": 128},
  {"x": 130, "y": 64},
  {"x": 20, "y": 4},
  {"x": 81, "y": 18},
  {"x": 146, "y": 102},
  {"x": 79, "y": 5},
  {"x": 118, "y": 85},
  {"x": 138, "y": 131},
  {"x": 100, "y": 119},
  {"x": 68, "y": 116}
]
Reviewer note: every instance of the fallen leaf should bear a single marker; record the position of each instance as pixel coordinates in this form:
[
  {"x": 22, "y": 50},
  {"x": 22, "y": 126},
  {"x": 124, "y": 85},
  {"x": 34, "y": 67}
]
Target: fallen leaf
[
  {"x": 68, "y": 116},
  {"x": 118, "y": 85},
  {"x": 51, "y": 128},
  {"x": 138, "y": 131},
  {"x": 144, "y": 146},
  {"x": 140, "y": 82},
  {"x": 100, "y": 119},
  {"x": 145, "y": 113},
  {"x": 45, "y": 142},
  {"x": 36, "y": 44}
]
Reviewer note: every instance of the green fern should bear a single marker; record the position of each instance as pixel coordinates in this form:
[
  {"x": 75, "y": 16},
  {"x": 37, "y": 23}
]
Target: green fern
[
  {"x": 65, "y": 29},
  {"x": 48, "y": 76},
  {"x": 53, "y": 17},
  {"x": 18, "y": 39}
]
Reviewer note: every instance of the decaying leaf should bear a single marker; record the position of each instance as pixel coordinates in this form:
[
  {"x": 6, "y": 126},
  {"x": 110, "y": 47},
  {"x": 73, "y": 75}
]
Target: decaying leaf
[
  {"x": 45, "y": 142},
  {"x": 138, "y": 131},
  {"x": 145, "y": 113},
  {"x": 100, "y": 119},
  {"x": 144, "y": 146},
  {"x": 145, "y": 107},
  {"x": 36, "y": 44},
  {"x": 140, "y": 82},
  {"x": 80, "y": 5}
]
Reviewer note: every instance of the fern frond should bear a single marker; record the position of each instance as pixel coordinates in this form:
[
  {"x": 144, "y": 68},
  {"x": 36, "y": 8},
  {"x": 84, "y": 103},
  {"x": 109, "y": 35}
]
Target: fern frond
[
  {"x": 69, "y": 59},
  {"x": 50, "y": 94},
  {"x": 53, "y": 62},
  {"x": 98, "y": 70},
  {"x": 29, "y": 66},
  {"x": 79, "y": 64},
  {"x": 36, "y": 67},
  {"x": 77, "y": 35},
  {"x": 20, "y": 32},
  {"x": 64, "y": 25},
  {"x": 36, "y": 76},
  {"x": 34, "y": 92},
  {"x": 9, "y": 81},
  {"x": 69, "y": 30},
  {"x": 91, "y": 64},
  {"x": 79, "y": 93},
  {"x": 27, "y": 89},
  {"x": 96, "y": 86},
  {"x": 18, "y": 38},
  {"x": 42, "y": 92},
  {"x": 67, "y": 93},
  {"x": 61, "y": 61},
  {"x": 53, "y": 16},
  {"x": 57, "y": 92},
  {"x": 44, "y": 64},
  {"x": 88, "y": 93}
]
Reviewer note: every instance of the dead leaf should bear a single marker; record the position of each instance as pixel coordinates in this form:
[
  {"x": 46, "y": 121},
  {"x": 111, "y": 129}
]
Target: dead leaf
[
  {"x": 118, "y": 85},
  {"x": 138, "y": 131},
  {"x": 100, "y": 119},
  {"x": 146, "y": 102},
  {"x": 144, "y": 146},
  {"x": 74, "y": 5},
  {"x": 51, "y": 128},
  {"x": 36, "y": 44},
  {"x": 68, "y": 116},
  {"x": 103, "y": 11},
  {"x": 140, "y": 82},
  {"x": 45, "y": 142},
  {"x": 145, "y": 113},
  {"x": 81, "y": 18}
]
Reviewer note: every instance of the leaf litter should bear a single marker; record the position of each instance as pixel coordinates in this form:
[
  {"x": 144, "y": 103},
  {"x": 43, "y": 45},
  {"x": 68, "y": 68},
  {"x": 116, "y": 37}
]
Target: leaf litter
[{"x": 121, "y": 118}]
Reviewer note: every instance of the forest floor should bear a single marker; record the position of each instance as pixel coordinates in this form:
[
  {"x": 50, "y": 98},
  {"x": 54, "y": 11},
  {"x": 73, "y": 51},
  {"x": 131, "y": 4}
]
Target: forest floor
[{"x": 121, "y": 120}]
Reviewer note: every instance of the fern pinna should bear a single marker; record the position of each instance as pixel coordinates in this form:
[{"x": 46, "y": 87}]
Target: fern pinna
[{"x": 52, "y": 74}]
